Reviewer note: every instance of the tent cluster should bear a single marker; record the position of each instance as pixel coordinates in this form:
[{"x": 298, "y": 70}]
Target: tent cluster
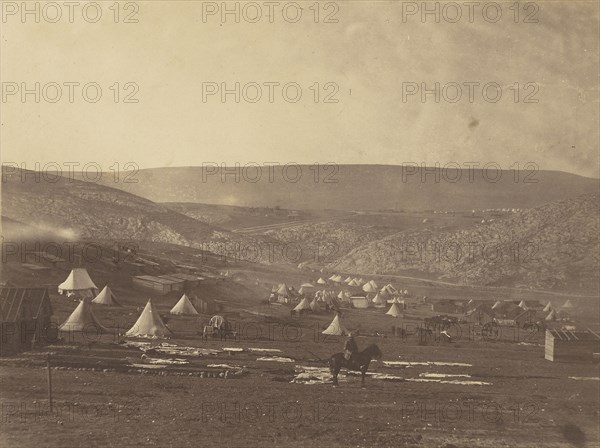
[
  {"x": 335, "y": 292},
  {"x": 83, "y": 319},
  {"x": 555, "y": 314}
]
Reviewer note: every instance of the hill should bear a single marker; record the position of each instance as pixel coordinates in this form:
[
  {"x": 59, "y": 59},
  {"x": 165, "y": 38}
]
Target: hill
[
  {"x": 356, "y": 187},
  {"x": 554, "y": 246},
  {"x": 72, "y": 210}
]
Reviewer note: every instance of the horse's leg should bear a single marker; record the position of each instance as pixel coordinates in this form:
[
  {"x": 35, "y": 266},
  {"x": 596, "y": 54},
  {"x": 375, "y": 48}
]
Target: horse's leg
[{"x": 336, "y": 371}]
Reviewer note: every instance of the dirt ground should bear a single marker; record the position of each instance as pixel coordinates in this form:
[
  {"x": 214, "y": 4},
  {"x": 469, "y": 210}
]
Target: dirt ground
[{"x": 100, "y": 400}]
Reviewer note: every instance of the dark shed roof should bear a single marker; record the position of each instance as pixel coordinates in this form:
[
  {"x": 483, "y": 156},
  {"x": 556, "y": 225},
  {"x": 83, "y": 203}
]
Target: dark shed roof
[{"x": 24, "y": 303}]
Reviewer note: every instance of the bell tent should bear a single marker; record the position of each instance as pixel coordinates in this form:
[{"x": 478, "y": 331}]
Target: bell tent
[
  {"x": 78, "y": 282},
  {"x": 184, "y": 307},
  {"x": 378, "y": 301},
  {"x": 568, "y": 304},
  {"x": 303, "y": 305},
  {"x": 394, "y": 310},
  {"x": 82, "y": 319},
  {"x": 336, "y": 327},
  {"x": 106, "y": 297},
  {"x": 149, "y": 324}
]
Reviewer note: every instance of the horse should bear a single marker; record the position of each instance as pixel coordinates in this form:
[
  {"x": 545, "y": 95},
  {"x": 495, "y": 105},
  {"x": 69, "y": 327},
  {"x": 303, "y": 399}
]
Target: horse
[{"x": 360, "y": 362}]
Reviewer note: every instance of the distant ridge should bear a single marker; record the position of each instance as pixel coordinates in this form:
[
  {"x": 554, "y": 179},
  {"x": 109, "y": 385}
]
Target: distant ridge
[{"x": 357, "y": 187}]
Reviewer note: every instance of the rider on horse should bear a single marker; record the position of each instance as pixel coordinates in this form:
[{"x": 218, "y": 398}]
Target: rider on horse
[{"x": 350, "y": 348}]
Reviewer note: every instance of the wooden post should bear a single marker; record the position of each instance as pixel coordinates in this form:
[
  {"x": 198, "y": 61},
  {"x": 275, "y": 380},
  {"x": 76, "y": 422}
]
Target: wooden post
[{"x": 49, "y": 381}]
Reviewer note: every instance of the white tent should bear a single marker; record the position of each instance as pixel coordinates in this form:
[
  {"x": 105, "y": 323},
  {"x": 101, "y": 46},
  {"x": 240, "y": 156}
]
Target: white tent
[
  {"x": 303, "y": 305},
  {"x": 373, "y": 284},
  {"x": 368, "y": 287},
  {"x": 394, "y": 310},
  {"x": 80, "y": 283},
  {"x": 361, "y": 281},
  {"x": 184, "y": 307},
  {"x": 353, "y": 282},
  {"x": 321, "y": 281},
  {"x": 348, "y": 280},
  {"x": 82, "y": 319},
  {"x": 149, "y": 324},
  {"x": 283, "y": 290},
  {"x": 568, "y": 304},
  {"x": 551, "y": 316},
  {"x": 307, "y": 285},
  {"x": 106, "y": 297},
  {"x": 522, "y": 305},
  {"x": 548, "y": 307},
  {"x": 313, "y": 304},
  {"x": 496, "y": 305},
  {"x": 337, "y": 279},
  {"x": 336, "y": 327},
  {"x": 378, "y": 301}
]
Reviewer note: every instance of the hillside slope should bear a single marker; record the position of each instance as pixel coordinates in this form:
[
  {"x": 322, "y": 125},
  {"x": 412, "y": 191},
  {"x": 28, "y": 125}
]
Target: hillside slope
[
  {"x": 554, "y": 246},
  {"x": 72, "y": 210}
]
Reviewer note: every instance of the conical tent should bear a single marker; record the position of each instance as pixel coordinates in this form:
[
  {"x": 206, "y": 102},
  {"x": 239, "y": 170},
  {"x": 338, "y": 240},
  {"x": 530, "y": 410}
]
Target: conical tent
[
  {"x": 551, "y": 316},
  {"x": 321, "y": 281},
  {"x": 348, "y": 280},
  {"x": 336, "y": 327},
  {"x": 337, "y": 279},
  {"x": 568, "y": 304},
  {"x": 149, "y": 324},
  {"x": 307, "y": 285},
  {"x": 82, "y": 319},
  {"x": 78, "y": 282},
  {"x": 378, "y": 301},
  {"x": 522, "y": 304},
  {"x": 184, "y": 307},
  {"x": 353, "y": 282},
  {"x": 283, "y": 290},
  {"x": 394, "y": 310},
  {"x": 373, "y": 284},
  {"x": 367, "y": 287},
  {"x": 106, "y": 297},
  {"x": 548, "y": 307},
  {"x": 496, "y": 305},
  {"x": 303, "y": 305},
  {"x": 313, "y": 304}
]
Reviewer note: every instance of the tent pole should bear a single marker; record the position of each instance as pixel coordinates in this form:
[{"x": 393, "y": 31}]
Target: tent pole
[{"x": 49, "y": 381}]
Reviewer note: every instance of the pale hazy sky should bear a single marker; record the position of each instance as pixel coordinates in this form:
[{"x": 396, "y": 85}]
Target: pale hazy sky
[{"x": 369, "y": 54}]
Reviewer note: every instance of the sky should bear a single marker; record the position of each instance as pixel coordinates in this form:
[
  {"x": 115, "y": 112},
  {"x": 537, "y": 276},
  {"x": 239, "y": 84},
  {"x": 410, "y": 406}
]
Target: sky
[{"x": 365, "y": 57}]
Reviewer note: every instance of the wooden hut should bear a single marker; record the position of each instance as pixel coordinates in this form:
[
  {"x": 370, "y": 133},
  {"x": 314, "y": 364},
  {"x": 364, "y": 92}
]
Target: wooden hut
[
  {"x": 573, "y": 346},
  {"x": 25, "y": 315}
]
